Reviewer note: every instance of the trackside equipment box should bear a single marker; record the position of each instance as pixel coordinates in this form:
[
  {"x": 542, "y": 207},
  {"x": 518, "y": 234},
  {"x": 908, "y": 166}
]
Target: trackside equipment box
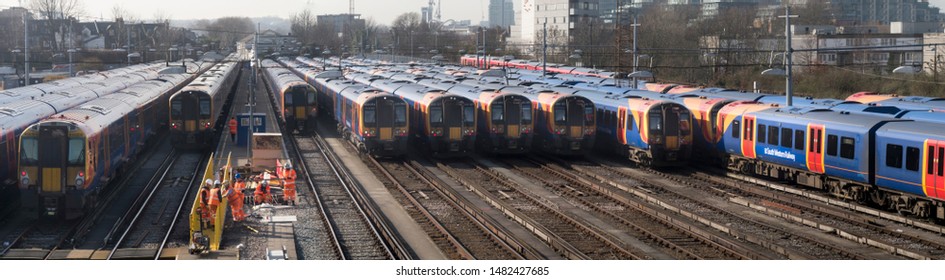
[{"x": 245, "y": 128}]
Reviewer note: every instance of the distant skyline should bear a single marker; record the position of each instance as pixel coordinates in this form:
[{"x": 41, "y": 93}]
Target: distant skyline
[{"x": 382, "y": 11}]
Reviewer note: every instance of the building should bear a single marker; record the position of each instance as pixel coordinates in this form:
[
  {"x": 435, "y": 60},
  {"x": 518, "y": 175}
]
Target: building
[
  {"x": 847, "y": 12},
  {"x": 501, "y": 13},
  {"x": 342, "y": 22},
  {"x": 558, "y": 17}
]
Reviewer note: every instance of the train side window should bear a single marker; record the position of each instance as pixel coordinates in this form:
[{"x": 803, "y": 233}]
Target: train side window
[
  {"x": 799, "y": 140},
  {"x": 436, "y": 114},
  {"x": 893, "y": 155},
  {"x": 526, "y": 113},
  {"x": 736, "y": 129},
  {"x": 762, "y": 133},
  {"x": 629, "y": 121},
  {"x": 498, "y": 112},
  {"x": 831, "y": 145},
  {"x": 786, "y": 134},
  {"x": 773, "y": 136},
  {"x": 848, "y": 147},
  {"x": 912, "y": 158}
]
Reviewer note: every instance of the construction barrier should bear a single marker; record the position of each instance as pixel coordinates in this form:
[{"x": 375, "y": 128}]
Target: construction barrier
[{"x": 204, "y": 236}]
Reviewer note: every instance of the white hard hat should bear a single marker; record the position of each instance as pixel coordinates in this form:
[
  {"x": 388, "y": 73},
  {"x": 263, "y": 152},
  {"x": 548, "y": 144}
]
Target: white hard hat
[
  {"x": 217, "y": 182},
  {"x": 266, "y": 176},
  {"x": 209, "y": 182}
]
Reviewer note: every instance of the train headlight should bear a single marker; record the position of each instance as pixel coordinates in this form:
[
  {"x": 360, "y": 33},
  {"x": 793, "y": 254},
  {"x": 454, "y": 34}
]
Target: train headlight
[
  {"x": 559, "y": 130},
  {"x": 470, "y": 132},
  {"x": 174, "y": 125},
  {"x": 588, "y": 131},
  {"x": 437, "y": 132},
  {"x": 657, "y": 139},
  {"x": 368, "y": 133},
  {"x": 526, "y": 130},
  {"x": 24, "y": 179},
  {"x": 206, "y": 125},
  {"x": 80, "y": 179},
  {"x": 402, "y": 132}
]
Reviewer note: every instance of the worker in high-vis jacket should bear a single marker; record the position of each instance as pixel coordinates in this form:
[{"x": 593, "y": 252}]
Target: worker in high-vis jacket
[
  {"x": 234, "y": 198},
  {"x": 214, "y": 201},
  {"x": 288, "y": 184},
  {"x": 233, "y": 125}
]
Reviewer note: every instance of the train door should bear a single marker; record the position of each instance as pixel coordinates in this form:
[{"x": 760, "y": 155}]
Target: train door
[
  {"x": 815, "y": 143},
  {"x": 621, "y": 126},
  {"x": 935, "y": 169},
  {"x": 748, "y": 136},
  {"x": 575, "y": 118},
  {"x": 53, "y": 144},
  {"x": 385, "y": 119},
  {"x": 189, "y": 116},
  {"x": 672, "y": 128},
  {"x": 453, "y": 117}
]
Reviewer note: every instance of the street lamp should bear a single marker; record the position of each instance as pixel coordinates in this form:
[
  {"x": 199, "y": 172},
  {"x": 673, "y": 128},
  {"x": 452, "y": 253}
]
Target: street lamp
[{"x": 16, "y": 53}]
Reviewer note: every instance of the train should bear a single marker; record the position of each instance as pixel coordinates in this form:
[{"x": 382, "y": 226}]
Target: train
[
  {"x": 936, "y": 104},
  {"x": 440, "y": 122},
  {"x": 505, "y": 120},
  {"x": 487, "y": 62},
  {"x": 145, "y": 71},
  {"x": 373, "y": 120},
  {"x": 197, "y": 110},
  {"x": 66, "y": 160},
  {"x": 294, "y": 99}
]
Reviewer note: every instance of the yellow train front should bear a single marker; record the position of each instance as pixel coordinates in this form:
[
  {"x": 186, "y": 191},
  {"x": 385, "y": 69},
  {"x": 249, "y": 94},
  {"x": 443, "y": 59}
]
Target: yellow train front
[
  {"x": 565, "y": 123},
  {"x": 195, "y": 111},
  {"x": 293, "y": 96}
]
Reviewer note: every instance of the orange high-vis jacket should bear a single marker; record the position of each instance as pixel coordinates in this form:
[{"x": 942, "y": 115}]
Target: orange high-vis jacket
[
  {"x": 233, "y": 126},
  {"x": 214, "y": 197}
]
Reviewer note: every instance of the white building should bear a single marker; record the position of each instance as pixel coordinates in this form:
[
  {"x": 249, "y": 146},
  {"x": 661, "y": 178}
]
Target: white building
[{"x": 559, "y": 17}]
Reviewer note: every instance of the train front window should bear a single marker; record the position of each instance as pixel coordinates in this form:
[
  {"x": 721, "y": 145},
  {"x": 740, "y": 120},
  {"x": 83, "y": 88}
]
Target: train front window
[
  {"x": 289, "y": 98},
  {"x": 436, "y": 114},
  {"x": 469, "y": 115},
  {"x": 76, "y": 151},
  {"x": 498, "y": 113},
  {"x": 204, "y": 108},
  {"x": 589, "y": 115},
  {"x": 656, "y": 122},
  {"x": 526, "y": 113},
  {"x": 29, "y": 151},
  {"x": 176, "y": 109},
  {"x": 370, "y": 115},
  {"x": 310, "y": 95},
  {"x": 400, "y": 116},
  {"x": 561, "y": 113}
]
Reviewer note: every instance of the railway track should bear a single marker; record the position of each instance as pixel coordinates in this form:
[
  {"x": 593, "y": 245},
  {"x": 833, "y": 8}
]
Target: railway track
[
  {"x": 571, "y": 237},
  {"x": 787, "y": 241},
  {"x": 679, "y": 239},
  {"x": 158, "y": 209},
  {"x": 355, "y": 231},
  {"x": 859, "y": 227},
  {"x": 449, "y": 219}
]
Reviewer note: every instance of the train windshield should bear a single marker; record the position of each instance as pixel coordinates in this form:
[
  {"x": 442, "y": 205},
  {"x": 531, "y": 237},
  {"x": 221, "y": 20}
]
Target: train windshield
[
  {"x": 370, "y": 115},
  {"x": 400, "y": 116},
  {"x": 76, "y": 151},
  {"x": 561, "y": 113},
  {"x": 684, "y": 125},
  {"x": 436, "y": 114},
  {"x": 176, "y": 108},
  {"x": 204, "y": 108},
  {"x": 310, "y": 95},
  {"x": 469, "y": 115},
  {"x": 588, "y": 114},
  {"x": 29, "y": 151},
  {"x": 498, "y": 113},
  {"x": 526, "y": 113},
  {"x": 656, "y": 121},
  {"x": 288, "y": 98}
]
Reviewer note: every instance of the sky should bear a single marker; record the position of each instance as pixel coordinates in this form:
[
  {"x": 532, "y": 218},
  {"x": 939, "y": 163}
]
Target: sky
[{"x": 383, "y": 11}]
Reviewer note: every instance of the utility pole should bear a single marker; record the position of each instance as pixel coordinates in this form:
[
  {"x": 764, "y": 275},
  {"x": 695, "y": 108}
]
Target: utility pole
[
  {"x": 789, "y": 92},
  {"x": 619, "y": 48},
  {"x": 544, "y": 49},
  {"x": 26, "y": 48},
  {"x": 485, "y": 62},
  {"x": 635, "y": 56}
]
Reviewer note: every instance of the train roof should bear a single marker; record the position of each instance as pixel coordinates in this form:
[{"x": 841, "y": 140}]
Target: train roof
[{"x": 823, "y": 116}]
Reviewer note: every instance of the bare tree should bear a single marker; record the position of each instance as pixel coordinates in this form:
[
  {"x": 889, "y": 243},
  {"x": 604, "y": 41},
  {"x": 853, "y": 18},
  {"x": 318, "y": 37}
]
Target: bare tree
[
  {"x": 60, "y": 14},
  {"x": 303, "y": 26}
]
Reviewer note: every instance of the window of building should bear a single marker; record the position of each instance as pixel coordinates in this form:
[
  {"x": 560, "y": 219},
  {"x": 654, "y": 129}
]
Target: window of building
[
  {"x": 848, "y": 147},
  {"x": 893, "y": 155},
  {"x": 912, "y": 158}
]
